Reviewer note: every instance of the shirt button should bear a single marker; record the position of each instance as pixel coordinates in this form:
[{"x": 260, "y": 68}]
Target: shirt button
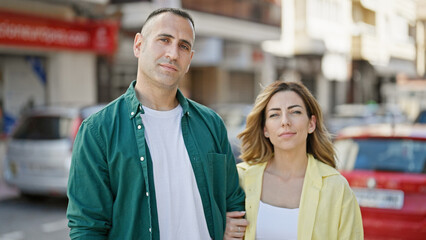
[
  {"x": 149, "y": 229},
  {"x": 142, "y": 158},
  {"x": 139, "y": 126},
  {"x": 147, "y": 194},
  {"x": 133, "y": 113}
]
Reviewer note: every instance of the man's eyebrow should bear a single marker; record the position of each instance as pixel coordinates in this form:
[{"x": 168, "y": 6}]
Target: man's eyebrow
[{"x": 170, "y": 36}]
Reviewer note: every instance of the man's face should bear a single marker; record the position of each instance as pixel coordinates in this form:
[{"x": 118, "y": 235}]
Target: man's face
[{"x": 164, "y": 50}]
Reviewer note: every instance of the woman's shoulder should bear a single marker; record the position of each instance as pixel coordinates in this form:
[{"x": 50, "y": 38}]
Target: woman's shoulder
[
  {"x": 244, "y": 167},
  {"x": 329, "y": 174},
  {"x": 336, "y": 180}
]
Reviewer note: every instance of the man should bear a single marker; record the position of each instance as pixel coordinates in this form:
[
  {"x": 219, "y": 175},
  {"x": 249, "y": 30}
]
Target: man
[{"x": 152, "y": 163}]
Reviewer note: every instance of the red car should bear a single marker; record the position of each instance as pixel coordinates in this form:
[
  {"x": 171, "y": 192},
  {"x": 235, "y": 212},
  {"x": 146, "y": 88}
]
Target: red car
[{"x": 385, "y": 166}]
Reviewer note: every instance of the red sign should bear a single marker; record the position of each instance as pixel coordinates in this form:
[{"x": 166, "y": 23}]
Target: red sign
[{"x": 27, "y": 30}]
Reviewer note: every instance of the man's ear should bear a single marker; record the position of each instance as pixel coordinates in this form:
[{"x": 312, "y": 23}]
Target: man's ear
[
  {"x": 192, "y": 54},
  {"x": 137, "y": 44}
]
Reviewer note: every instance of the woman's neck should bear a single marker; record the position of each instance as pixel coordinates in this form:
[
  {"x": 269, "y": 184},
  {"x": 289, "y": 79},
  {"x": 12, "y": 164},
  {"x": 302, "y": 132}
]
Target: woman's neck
[{"x": 288, "y": 164}]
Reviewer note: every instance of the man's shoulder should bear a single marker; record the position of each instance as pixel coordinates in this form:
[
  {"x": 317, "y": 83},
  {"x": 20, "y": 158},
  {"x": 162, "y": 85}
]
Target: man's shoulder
[
  {"x": 203, "y": 110},
  {"x": 107, "y": 113},
  {"x": 200, "y": 107}
]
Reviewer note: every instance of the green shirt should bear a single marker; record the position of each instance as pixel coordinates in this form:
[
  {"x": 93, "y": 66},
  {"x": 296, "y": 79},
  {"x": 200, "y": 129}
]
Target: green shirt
[{"x": 111, "y": 191}]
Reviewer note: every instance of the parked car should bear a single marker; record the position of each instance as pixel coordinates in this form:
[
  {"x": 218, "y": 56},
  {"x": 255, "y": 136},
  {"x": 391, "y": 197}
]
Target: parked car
[
  {"x": 421, "y": 118},
  {"x": 385, "y": 166},
  {"x": 234, "y": 116},
  {"x": 38, "y": 154},
  {"x": 363, "y": 114}
]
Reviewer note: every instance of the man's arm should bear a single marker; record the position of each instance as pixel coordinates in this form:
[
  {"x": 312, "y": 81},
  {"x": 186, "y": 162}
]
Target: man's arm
[
  {"x": 90, "y": 198},
  {"x": 235, "y": 197}
]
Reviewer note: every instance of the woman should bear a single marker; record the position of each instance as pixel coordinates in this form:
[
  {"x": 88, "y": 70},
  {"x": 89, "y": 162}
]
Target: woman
[{"x": 293, "y": 190}]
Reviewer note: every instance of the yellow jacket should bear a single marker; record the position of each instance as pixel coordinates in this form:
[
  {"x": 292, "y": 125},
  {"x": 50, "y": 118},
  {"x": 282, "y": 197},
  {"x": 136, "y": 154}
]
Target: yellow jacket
[{"x": 328, "y": 208}]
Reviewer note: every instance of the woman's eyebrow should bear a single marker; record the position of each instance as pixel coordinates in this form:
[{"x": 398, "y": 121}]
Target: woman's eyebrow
[{"x": 293, "y": 106}]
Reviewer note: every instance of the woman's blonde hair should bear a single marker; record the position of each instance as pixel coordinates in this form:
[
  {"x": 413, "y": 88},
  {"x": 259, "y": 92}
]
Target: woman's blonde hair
[{"x": 256, "y": 148}]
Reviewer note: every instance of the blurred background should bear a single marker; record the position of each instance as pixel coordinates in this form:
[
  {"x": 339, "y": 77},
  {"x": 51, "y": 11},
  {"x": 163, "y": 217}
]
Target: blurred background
[{"x": 364, "y": 60}]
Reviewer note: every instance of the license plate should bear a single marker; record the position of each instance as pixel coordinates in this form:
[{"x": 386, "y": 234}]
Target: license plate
[
  {"x": 13, "y": 168},
  {"x": 379, "y": 198}
]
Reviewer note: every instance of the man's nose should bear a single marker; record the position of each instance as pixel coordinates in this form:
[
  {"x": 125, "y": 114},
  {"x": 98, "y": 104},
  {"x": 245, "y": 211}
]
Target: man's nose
[{"x": 172, "y": 51}]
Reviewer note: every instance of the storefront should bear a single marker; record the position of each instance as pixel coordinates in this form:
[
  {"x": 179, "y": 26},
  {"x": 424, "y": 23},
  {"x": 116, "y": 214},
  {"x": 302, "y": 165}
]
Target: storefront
[{"x": 48, "y": 61}]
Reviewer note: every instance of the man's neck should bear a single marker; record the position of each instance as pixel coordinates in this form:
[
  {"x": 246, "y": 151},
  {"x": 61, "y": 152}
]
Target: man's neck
[{"x": 155, "y": 98}]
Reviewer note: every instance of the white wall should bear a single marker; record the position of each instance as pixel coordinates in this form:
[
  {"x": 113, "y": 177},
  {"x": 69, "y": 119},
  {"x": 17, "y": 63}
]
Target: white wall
[
  {"x": 72, "y": 78},
  {"x": 21, "y": 85}
]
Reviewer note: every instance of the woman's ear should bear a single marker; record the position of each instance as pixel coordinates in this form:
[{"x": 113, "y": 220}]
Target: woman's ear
[
  {"x": 265, "y": 133},
  {"x": 312, "y": 124}
]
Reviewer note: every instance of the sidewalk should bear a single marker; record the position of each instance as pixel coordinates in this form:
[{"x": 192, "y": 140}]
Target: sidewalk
[{"x": 5, "y": 190}]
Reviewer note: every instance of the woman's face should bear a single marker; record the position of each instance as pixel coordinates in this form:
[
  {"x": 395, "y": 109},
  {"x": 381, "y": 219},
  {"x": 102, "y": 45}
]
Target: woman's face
[{"x": 287, "y": 124}]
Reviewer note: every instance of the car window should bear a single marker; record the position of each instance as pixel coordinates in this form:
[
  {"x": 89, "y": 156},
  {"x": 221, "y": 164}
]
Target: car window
[
  {"x": 43, "y": 128},
  {"x": 401, "y": 155},
  {"x": 421, "y": 118}
]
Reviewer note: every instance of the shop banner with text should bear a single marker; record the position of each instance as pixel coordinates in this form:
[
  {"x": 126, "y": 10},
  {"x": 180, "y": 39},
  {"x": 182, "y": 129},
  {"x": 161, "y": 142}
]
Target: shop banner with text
[{"x": 19, "y": 29}]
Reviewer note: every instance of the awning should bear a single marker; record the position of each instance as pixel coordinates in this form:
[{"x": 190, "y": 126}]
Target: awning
[{"x": 397, "y": 66}]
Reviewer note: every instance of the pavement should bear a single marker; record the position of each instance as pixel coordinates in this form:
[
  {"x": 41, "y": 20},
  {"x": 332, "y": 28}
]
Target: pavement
[{"x": 6, "y": 191}]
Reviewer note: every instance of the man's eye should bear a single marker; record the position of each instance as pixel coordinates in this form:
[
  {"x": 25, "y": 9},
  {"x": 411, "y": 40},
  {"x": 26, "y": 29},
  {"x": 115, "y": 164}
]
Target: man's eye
[
  {"x": 184, "y": 47},
  {"x": 164, "y": 40}
]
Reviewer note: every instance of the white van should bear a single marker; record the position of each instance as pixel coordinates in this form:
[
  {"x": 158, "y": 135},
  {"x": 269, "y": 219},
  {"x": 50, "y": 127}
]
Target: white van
[{"x": 38, "y": 154}]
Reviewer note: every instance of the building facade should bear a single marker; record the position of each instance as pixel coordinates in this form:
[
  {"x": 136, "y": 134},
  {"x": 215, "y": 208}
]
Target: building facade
[
  {"x": 48, "y": 55},
  {"x": 228, "y": 64},
  {"x": 345, "y": 51},
  {"x": 353, "y": 49}
]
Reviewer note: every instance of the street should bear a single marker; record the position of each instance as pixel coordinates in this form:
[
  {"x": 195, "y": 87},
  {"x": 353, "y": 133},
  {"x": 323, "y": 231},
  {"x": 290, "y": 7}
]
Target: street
[{"x": 22, "y": 218}]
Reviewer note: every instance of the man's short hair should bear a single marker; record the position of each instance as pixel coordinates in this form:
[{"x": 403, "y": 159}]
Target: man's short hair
[{"x": 175, "y": 11}]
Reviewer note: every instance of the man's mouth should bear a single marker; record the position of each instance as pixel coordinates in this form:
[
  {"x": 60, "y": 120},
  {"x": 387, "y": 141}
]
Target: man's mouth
[{"x": 169, "y": 67}]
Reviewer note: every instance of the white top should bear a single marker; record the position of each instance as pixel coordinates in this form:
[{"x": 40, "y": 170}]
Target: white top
[
  {"x": 179, "y": 206},
  {"x": 276, "y": 223}
]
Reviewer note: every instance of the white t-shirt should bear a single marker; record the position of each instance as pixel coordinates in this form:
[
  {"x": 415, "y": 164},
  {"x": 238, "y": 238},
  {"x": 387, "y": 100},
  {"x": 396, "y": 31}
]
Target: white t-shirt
[
  {"x": 179, "y": 206},
  {"x": 276, "y": 223}
]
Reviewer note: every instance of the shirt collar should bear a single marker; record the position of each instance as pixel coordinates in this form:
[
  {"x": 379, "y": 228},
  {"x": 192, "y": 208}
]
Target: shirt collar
[
  {"x": 317, "y": 170},
  {"x": 135, "y": 107}
]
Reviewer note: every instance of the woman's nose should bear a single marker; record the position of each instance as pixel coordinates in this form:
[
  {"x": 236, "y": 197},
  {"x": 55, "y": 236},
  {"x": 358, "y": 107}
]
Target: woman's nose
[{"x": 285, "y": 120}]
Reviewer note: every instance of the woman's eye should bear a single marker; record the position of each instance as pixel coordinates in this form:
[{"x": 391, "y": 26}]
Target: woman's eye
[
  {"x": 273, "y": 115},
  {"x": 164, "y": 40}
]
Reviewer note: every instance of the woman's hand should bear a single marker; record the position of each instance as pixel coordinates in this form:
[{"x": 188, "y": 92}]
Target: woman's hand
[{"x": 235, "y": 226}]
